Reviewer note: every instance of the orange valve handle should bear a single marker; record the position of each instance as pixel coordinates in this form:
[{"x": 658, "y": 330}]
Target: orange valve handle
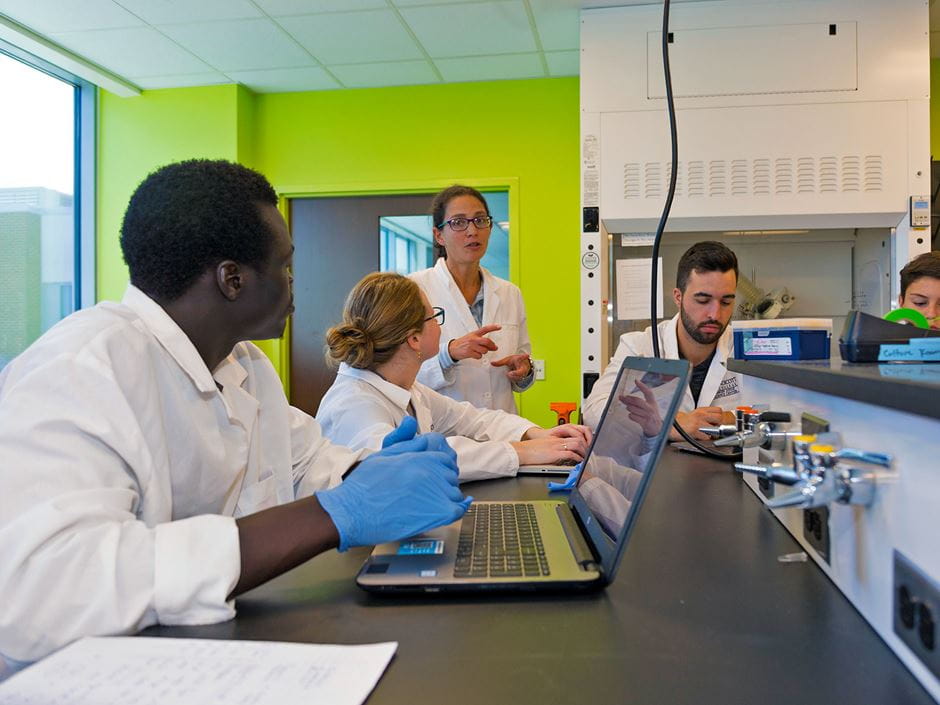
[{"x": 563, "y": 410}]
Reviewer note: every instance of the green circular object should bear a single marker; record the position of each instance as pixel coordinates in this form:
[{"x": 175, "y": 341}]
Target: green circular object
[{"x": 908, "y": 316}]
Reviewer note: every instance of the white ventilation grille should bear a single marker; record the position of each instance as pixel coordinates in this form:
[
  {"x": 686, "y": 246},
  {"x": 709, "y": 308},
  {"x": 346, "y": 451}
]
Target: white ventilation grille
[
  {"x": 874, "y": 173},
  {"x": 780, "y": 176},
  {"x": 631, "y": 180},
  {"x": 717, "y": 178},
  {"x": 739, "y": 185}
]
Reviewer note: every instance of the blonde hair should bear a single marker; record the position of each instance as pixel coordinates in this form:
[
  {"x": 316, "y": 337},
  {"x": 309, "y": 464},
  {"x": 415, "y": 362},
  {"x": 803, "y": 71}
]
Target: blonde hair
[{"x": 381, "y": 311}]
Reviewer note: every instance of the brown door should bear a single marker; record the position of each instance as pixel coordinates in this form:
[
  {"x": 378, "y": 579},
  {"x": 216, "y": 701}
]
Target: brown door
[{"x": 336, "y": 243}]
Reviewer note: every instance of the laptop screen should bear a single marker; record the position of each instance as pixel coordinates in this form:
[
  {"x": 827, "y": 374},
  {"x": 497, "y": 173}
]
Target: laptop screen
[{"x": 627, "y": 445}]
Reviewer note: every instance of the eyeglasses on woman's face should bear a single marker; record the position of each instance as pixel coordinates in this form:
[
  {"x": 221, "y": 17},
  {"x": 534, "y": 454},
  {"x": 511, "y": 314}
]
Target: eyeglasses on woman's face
[
  {"x": 459, "y": 224},
  {"x": 438, "y": 313}
]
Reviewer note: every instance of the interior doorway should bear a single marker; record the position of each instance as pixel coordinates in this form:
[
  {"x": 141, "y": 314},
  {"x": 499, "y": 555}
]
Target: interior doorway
[{"x": 336, "y": 243}]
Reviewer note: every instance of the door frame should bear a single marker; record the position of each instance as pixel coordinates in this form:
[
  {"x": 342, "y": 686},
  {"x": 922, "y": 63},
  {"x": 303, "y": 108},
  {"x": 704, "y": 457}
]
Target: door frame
[{"x": 279, "y": 349}]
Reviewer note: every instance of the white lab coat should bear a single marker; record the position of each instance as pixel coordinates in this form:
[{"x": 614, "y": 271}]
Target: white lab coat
[
  {"x": 123, "y": 464},
  {"x": 360, "y": 408},
  {"x": 475, "y": 381},
  {"x": 609, "y": 492},
  {"x": 721, "y": 387}
]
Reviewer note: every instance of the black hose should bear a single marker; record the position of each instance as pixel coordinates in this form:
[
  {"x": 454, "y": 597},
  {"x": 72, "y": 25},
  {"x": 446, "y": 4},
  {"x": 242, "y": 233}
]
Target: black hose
[{"x": 674, "y": 172}]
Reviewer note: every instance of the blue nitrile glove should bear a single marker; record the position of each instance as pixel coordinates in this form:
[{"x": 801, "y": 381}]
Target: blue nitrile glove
[
  {"x": 407, "y": 429},
  {"x": 407, "y": 487},
  {"x": 569, "y": 482}
]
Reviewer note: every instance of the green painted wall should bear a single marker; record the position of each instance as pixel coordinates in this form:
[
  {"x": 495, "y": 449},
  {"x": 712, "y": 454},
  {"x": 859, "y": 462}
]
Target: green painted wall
[
  {"x": 245, "y": 125},
  {"x": 524, "y": 132},
  {"x": 137, "y": 135},
  {"x": 469, "y": 132}
]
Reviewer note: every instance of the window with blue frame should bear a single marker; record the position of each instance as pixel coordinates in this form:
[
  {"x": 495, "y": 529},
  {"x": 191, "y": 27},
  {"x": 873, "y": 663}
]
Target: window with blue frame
[
  {"x": 405, "y": 244},
  {"x": 46, "y": 198}
]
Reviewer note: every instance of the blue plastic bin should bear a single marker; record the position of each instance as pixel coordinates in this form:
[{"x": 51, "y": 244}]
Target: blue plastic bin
[{"x": 782, "y": 339}]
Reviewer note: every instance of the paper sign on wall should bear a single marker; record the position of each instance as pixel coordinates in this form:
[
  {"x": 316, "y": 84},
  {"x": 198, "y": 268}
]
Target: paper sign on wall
[{"x": 633, "y": 288}]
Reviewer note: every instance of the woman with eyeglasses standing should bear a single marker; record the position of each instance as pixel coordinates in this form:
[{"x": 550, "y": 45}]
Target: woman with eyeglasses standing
[
  {"x": 485, "y": 351},
  {"x": 388, "y": 329}
]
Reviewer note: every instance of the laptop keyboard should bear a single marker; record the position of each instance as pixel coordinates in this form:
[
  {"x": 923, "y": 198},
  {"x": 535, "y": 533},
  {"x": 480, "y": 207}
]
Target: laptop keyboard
[{"x": 500, "y": 541}]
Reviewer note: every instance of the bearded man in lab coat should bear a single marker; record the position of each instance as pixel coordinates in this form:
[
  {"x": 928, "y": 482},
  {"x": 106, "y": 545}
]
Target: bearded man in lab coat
[
  {"x": 151, "y": 467},
  {"x": 706, "y": 280}
]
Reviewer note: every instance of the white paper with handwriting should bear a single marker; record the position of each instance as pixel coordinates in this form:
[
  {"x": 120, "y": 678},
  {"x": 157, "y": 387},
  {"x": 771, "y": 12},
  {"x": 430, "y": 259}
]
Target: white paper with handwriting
[
  {"x": 159, "y": 671},
  {"x": 634, "y": 281}
]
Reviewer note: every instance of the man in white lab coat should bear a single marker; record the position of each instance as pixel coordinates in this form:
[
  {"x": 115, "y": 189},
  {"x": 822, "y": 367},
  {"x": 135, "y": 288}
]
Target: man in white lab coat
[
  {"x": 706, "y": 280},
  {"x": 151, "y": 467}
]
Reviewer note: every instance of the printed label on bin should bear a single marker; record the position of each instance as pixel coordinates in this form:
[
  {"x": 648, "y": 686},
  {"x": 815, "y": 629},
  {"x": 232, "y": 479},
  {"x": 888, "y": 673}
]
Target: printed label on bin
[{"x": 768, "y": 346}]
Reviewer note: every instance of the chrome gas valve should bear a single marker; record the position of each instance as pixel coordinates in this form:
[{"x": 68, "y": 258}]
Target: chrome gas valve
[
  {"x": 758, "y": 429},
  {"x": 821, "y": 475}
]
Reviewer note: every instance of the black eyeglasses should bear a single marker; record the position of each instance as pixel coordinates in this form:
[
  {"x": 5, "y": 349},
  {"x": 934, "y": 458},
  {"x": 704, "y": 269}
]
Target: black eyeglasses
[
  {"x": 438, "y": 313},
  {"x": 482, "y": 222}
]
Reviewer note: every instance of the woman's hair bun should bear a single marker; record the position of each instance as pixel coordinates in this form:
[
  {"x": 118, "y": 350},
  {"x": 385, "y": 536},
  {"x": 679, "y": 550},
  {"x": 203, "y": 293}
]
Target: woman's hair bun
[
  {"x": 381, "y": 311},
  {"x": 350, "y": 343}
]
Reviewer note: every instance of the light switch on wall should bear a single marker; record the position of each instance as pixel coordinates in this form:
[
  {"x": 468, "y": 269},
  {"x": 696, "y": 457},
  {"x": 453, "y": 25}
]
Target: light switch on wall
[{"x": 539, "y": 366}]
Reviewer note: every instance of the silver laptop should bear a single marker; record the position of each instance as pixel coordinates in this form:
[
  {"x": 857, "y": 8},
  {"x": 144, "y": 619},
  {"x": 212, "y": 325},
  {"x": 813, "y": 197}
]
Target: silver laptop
[
  {"x": 544, "y": 469},
  {"x": 575, "y": 542}
]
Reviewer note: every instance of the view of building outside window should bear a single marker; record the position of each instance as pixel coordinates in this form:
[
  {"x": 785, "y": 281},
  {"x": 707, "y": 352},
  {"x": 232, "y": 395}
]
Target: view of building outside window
[
  {"x": 37, "y": 224},
  {"x": 406, "y": 243}
]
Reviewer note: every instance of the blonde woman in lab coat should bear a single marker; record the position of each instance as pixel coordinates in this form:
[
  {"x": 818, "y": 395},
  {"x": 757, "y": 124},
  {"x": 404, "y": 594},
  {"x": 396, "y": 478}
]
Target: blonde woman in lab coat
[
  {"x": 484, "y": 354},
  {"x": 389, "y": 328}
]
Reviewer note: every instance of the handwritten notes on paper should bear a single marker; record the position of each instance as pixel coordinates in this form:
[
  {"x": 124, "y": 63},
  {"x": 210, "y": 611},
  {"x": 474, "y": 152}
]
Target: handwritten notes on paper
[
  {"x": 155, "y": 671},
  {"x": 634, "y": 282}
]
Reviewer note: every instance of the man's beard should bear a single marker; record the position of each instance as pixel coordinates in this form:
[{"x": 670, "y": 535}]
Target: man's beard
[{"x": 695, "y": 331}]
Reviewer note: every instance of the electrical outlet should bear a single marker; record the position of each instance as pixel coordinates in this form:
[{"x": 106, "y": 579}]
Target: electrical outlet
[
  {"x": 916, "y": 611},
  {"x": 766, "y": 487},
  {"x": 812, "y": 425},
  {"x": 816, "y": 530},
  {"x": 770, "y": 457},
  {"x": 816, "y": 521},
  {"x": 539, "y": 367}
]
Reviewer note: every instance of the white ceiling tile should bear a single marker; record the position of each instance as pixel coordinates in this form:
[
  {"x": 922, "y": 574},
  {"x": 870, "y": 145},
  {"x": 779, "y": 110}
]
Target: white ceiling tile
[
  {"x": 407, "y": 3},
  {"x": 491, "y": 68},
  {"x": 559, "y": 27},
  {"x": 209, "y": 78},
  {"x": 563, "y": 63},
  {"x": 68, "y": 15},
  {"x": 279, "y": 8},
  {"x": 138, "y": 51},
  {"x": 471, "y": 30},
  {"x": 285, "y": 80},
  {"x": 240, "y": 45},
  {"x": 390, "y": 73},
  {"x": 181, "y": 11},
  {"x": 353, "y": 37}
]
